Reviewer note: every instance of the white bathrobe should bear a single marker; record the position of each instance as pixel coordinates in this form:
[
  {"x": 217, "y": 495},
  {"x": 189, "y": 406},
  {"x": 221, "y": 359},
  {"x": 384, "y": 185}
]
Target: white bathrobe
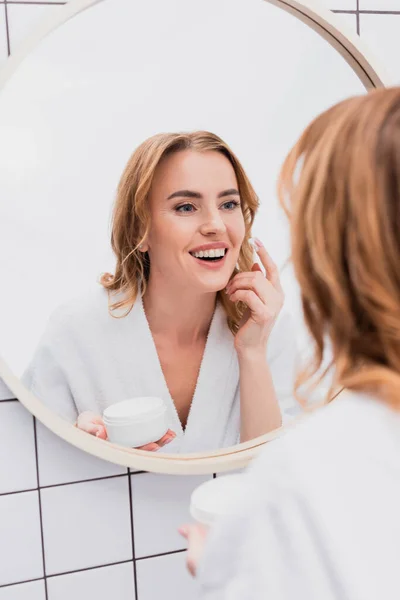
[
  {"x": 319, "y": 516},
  {"x": 88, "y": 360}
]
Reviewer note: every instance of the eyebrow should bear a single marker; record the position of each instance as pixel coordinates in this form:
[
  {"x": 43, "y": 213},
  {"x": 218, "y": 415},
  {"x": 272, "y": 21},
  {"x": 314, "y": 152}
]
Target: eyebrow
[{"x": 191, "y": 194}]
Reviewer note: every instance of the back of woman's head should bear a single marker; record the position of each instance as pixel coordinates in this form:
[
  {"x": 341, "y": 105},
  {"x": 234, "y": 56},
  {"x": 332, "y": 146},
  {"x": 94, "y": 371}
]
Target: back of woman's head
[{"x": 340, "y": 185}]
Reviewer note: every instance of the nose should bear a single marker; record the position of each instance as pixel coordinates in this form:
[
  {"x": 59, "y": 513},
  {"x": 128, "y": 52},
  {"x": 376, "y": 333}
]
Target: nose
[{"x": 213, "y": 224}]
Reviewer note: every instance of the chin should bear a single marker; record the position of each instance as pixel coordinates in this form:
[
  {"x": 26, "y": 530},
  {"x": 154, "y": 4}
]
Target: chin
[{"x": 217, "y": 285}]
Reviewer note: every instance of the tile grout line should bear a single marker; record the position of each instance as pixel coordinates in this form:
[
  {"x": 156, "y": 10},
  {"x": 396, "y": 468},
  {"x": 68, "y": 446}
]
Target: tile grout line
[
  {"x": 132, "y": 535},
  {"x": 162, "y": 554},
  {"x": 379, "y": 12},
  {"x": 113, "y": 564},
  {"x": 104, "y": 566},
  {"x": 40, "y": 507},
  {"x": 55, "y": 485},
  {"x": 62, "y": 573},
  {"x": 5, "y": 585},
  {"x": 334, "y": 10},
  {"x": 7, "y": 35},
  {"x": 358, "y": 17},
  {"x": 34, "y": 3}
]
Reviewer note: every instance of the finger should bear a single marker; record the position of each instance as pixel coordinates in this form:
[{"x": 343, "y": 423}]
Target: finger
[
  {"x": 256, "y": 267},
  {"x": 248, "y": 276},
  {"x": 259, "y": 285},
  {"x": 250, "y": 298},
  {"x": 171, "y": 433},
  {"x": 88, "y": 427},
  {"x": 166, "y": 439},
  {"x": 101, "y": 433},
  {"x": 184, "y": 531},
  {"x": 271, "y": 270},
  {"x": 153, "y": 447},
  {"x": 196, "y": 535}
]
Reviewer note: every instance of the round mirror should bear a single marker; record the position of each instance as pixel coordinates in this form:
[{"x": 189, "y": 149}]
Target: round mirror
[{"x": 83, "y": 161}]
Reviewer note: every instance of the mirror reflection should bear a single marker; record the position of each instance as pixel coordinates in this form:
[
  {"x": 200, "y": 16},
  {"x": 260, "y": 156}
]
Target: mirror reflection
[
  {"x": 188, "y": 316},
  {"x": 183, "y": 334}
]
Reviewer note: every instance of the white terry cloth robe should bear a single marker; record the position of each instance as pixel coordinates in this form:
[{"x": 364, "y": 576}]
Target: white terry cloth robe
[
  {"x": 88, "y": 359},
  {"x": 318, "y": 515}
]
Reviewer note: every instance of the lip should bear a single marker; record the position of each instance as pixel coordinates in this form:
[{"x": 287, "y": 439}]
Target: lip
[
  {"x": 212, "y": 246},
  {"x": 213, "y": 266}
]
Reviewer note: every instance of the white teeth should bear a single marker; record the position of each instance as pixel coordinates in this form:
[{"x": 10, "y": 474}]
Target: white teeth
[{"x": 213, "y": 253}]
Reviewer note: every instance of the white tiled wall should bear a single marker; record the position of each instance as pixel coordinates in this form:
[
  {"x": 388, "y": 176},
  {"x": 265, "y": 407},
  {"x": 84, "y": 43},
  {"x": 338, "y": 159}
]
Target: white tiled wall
[
  {"x": 93, "y": 529},
  {"x": 90, "y": 526},
  {"x": 23, "y": 17}
]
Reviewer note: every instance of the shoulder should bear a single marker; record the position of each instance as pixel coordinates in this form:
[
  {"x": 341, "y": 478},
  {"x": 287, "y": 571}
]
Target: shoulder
[
  {"x": 80, "y": 308},
  {"x": 85, "y": 313},
  {"x": 327, "y": 445}
]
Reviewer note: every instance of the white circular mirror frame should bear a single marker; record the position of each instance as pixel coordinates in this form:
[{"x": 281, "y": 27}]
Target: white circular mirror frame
[{"x": 371, "y": 74}]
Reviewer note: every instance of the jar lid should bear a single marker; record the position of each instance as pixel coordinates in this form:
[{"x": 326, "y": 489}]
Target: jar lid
[
  {"x": 134, "y": 409},
  {"x": 216, "y": 497}
]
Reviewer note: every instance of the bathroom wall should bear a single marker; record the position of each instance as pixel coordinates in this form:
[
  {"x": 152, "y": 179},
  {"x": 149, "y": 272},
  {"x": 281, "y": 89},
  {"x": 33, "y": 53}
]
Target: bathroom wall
[{"x": 72, "y": 526}]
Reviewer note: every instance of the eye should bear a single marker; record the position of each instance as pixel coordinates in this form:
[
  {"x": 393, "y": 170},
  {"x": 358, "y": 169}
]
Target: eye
[
  {"x": 231, "y": 205},
  {"x": 185, "y": 208}
]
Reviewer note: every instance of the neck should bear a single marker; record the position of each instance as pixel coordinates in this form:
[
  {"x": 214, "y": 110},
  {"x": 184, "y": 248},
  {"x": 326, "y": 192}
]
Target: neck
[{"x": 181, "y": 314}]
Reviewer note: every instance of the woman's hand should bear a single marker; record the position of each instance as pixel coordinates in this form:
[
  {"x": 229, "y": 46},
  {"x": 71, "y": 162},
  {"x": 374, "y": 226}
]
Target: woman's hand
[
  {"x": 94, "y": 424},
  {"x": 154, "y": 446},
  {"x": 264, "y": 298},
  {"x": 196, "y": 535}
]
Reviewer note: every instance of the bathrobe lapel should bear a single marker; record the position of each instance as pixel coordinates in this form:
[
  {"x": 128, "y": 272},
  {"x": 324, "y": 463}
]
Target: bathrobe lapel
[{"x": 215, "y": 390}]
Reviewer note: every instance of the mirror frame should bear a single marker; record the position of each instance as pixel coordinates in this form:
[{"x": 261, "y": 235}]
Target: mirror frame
[{"x": 372, "y": 75}]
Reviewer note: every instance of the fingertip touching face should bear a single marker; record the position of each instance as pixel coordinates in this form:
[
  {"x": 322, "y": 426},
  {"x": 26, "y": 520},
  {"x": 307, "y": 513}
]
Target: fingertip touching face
[{"x": 197, "y": 224}]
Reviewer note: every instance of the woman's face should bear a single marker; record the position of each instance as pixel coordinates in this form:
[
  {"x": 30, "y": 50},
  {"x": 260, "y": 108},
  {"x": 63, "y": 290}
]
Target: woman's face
[{"x": 197, "y": 224}]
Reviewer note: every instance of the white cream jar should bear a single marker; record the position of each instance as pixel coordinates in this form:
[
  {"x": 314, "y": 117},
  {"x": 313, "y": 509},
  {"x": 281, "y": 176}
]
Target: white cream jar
[
  {"x": 216, "y": 497},
  {"x": 136, "y": 422}
]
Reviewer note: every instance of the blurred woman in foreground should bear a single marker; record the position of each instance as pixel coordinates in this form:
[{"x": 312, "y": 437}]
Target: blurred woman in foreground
[{"x": 320, "y": 513}]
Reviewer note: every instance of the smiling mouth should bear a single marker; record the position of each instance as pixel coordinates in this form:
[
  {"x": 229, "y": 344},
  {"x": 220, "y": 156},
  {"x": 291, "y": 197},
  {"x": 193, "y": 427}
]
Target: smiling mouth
[{"x": 210, "y": 255}]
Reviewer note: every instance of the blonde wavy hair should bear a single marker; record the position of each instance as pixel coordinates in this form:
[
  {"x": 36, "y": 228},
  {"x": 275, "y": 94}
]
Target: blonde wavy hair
[
  {"x": 131, "y": 216},
  {"x": 340, "y": 186}
]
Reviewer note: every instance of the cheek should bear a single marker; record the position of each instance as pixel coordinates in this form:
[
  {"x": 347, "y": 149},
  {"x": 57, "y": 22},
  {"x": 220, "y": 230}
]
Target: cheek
[
  {"x": 170, "y": 234},
  {"x": 237, "y": 230}
]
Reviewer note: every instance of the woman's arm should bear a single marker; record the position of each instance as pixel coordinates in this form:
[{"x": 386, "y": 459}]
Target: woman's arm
[
  {"x": 263, "y": 295},
  {"x": 259, "y": 408}
]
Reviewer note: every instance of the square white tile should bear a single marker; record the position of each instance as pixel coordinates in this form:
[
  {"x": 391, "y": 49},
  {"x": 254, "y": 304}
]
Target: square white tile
[
  {"x": 349, "y": 20},
  {"x": 160, "y": 506},
  {"x": 380, "y": 5},
  {"x": 105, "y": 583},
  {"x": 34, "y": 590},
  {"x": 20, "y": 539},
  {"x": 17, "y": 448},
  {"x": 86, "y": 524},
  {"x": 60, "y": 462},
  {"x": 381, "y": 32},
  {"x": 165, "y": 577},
  {"x": 5, "y": 393},
  {"x": 23, "y": 18}
]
